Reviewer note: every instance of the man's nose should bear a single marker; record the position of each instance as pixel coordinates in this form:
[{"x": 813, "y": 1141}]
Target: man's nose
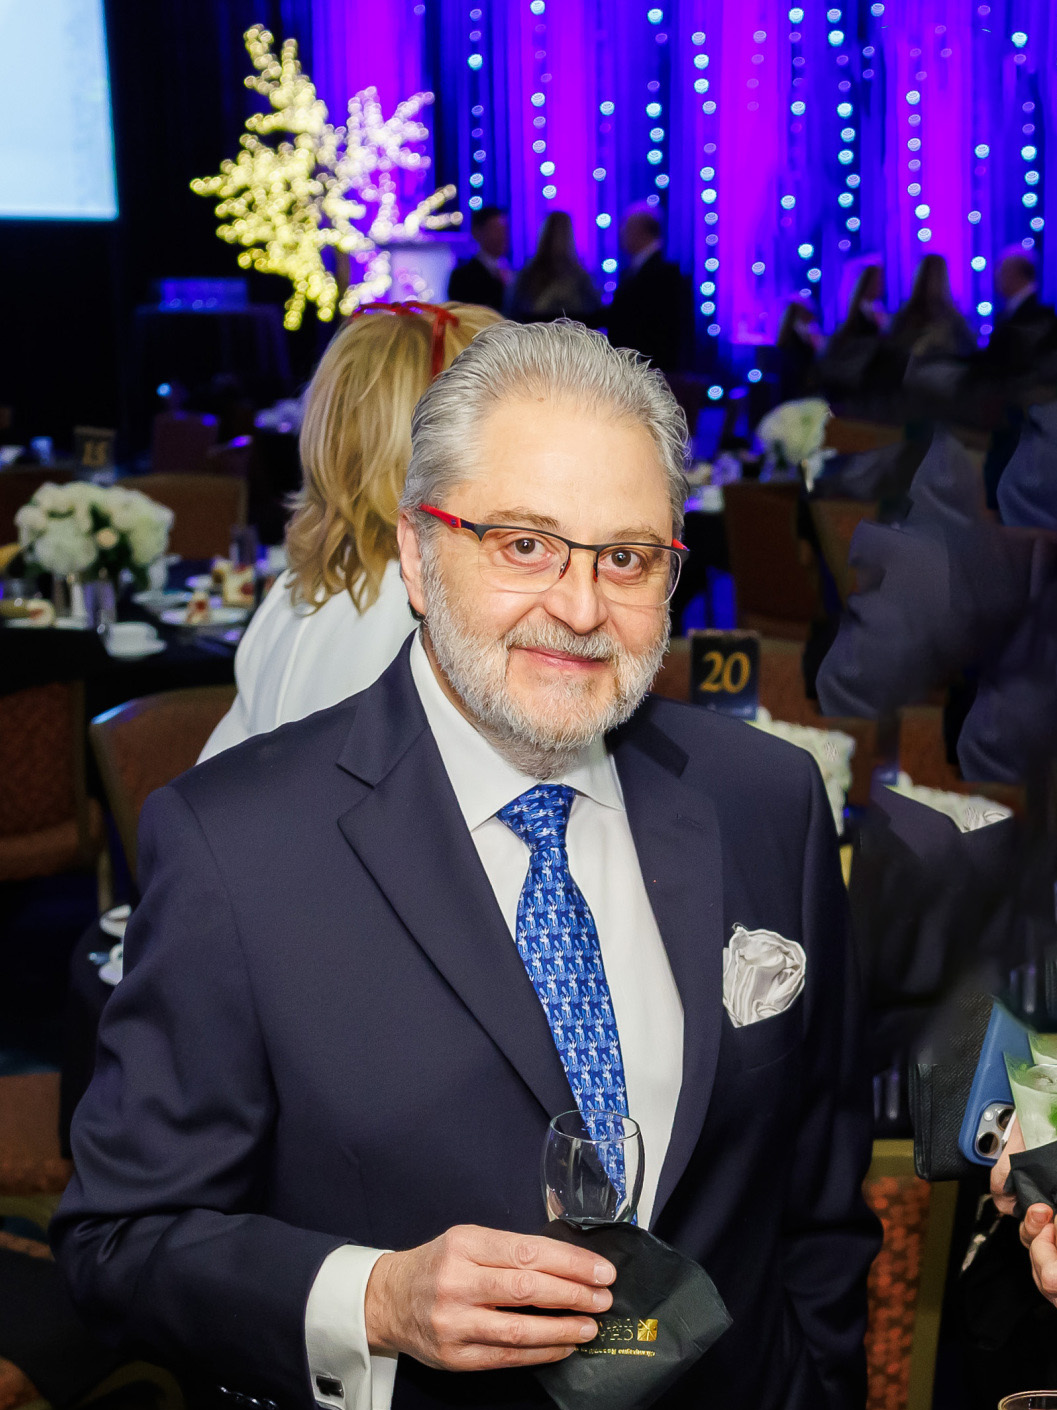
[{"x": 575, "y": 598}]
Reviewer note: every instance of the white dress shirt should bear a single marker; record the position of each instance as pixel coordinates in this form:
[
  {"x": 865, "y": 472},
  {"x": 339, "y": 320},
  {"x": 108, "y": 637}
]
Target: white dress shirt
[
  {"x": 293, "y": 661},
  {"x": 646, "y": 1003}
]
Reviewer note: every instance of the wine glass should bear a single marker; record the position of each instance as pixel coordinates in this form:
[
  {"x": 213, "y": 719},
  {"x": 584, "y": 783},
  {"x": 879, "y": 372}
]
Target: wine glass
[
  {"x": 592, "y": 1167},
  {"x": 1030, "y": 1400}
]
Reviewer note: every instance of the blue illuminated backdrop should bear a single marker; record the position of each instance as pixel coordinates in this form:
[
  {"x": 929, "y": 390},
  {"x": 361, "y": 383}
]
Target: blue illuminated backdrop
[{"x": 784, "y": 144}]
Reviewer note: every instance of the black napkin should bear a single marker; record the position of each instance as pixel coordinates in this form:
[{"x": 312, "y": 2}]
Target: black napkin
[
  {"x": 1033, "y": 1177},
  {"x": 666, "y": 1313}
]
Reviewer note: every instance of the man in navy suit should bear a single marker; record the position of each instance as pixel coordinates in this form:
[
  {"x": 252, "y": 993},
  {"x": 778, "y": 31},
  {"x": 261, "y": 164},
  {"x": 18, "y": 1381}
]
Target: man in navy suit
[
  {"x": 483, "y": 278},
  {"x": 652, "y": 309},
  {"x": 380, "y": 949}
]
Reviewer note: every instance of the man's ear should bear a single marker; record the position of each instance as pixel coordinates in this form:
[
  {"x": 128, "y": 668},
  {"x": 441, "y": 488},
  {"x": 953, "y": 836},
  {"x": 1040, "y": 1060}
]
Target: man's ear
[{"x": 411, "y": 561}]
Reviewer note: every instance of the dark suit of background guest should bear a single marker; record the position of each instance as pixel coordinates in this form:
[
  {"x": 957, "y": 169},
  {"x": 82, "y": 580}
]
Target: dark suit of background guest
[
  {"x": 483, "y": 278},
  {"x": 325, "y": 1034},
  {"x": 1020, "y": 338},
  {"x": 652, "y": 312},
  {"x": 472, "y": 282}
]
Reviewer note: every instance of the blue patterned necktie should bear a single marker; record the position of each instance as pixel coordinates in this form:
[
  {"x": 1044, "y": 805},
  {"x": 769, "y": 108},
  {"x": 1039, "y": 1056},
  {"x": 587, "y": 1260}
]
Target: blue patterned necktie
[{"x": 558, "y": 944}]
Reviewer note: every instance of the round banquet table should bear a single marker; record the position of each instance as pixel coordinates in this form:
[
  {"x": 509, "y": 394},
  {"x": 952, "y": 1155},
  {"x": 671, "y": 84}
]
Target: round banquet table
[{"x": 40, "y": 655}]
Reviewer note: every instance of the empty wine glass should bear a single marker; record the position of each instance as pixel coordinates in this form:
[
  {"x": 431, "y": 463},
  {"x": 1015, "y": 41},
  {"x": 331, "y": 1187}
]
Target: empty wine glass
[{"x": 592, "y": 1168}]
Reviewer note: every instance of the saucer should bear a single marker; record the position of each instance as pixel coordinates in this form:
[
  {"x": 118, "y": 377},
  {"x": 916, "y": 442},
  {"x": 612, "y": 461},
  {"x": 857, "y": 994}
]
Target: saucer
[
  {"x": 113, "y": 922},
  {"x": 135, "y": 651}
]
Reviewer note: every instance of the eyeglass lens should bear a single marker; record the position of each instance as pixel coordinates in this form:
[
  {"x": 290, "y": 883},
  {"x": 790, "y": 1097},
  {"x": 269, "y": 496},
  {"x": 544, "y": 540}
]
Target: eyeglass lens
[{"x": 522, "y": 560}]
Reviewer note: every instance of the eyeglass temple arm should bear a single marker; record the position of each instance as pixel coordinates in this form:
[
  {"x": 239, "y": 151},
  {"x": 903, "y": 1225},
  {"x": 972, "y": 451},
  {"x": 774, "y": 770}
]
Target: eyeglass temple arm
[{"x": 455, "y": 522}]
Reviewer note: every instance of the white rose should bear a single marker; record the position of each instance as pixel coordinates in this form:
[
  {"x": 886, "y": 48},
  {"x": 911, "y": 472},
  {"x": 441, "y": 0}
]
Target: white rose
[
  {"x": 148, "y": 540},
  {"x": 30, "y": 522},
  {"x": 122, "y": 508},
  {"x": 64, "y": 549},
  {"x": 795, "y": 429}
]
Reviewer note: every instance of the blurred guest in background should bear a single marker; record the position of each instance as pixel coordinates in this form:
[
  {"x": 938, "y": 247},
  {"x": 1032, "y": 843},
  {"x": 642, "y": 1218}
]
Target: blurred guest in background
[
  {"x": 554, "y": 284},
  {"x": 799, "y": 342},
  {"x": 855, "y": 362},
  {"x": 929, "y": 323},
  {"x": 867, "y": 316},
  {"x": 652, "y": 309},
  {"x": 1025, "y": 326},
  {"x": 484, "y": 277},
  {"x": 331, "y": 625}
]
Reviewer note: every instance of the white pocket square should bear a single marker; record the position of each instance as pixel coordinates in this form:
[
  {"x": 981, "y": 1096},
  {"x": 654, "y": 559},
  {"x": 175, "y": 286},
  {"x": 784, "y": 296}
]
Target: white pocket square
[{"x": 763, "y": 973}]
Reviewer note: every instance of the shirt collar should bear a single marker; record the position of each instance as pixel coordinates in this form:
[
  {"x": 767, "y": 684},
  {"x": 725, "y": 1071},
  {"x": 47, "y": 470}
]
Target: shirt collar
[
  {"x": 643, "y": 255},
  {"x": 1021, "y": 296},
  {"x": 482, "y": 779},
  {"x": 493, "y": 265}
]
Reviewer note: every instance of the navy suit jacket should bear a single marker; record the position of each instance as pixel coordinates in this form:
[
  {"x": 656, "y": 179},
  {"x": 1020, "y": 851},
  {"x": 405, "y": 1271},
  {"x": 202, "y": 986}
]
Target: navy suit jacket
[{"x": 325, "y": 1035}]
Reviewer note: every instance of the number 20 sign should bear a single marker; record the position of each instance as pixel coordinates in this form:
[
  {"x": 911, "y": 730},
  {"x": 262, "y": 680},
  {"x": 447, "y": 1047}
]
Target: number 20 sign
[{"x": 725, "y": 672}]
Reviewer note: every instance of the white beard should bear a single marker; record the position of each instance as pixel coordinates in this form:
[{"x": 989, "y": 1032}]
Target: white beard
[{"x": 541, "y": 745}]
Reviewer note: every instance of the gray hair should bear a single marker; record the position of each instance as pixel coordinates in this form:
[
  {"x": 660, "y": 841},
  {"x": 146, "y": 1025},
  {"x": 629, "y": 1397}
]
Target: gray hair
[{"x": 509, "y": 361}]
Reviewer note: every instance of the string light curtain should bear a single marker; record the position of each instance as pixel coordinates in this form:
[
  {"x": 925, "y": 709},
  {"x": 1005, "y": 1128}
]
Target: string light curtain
[{"x": 785, "y": 144}]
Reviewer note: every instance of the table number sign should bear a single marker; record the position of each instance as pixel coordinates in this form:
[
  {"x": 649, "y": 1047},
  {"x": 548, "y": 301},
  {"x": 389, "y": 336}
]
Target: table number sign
[
  {"x": 94, "y": 447},
  {"x": 725, "y": 672}
]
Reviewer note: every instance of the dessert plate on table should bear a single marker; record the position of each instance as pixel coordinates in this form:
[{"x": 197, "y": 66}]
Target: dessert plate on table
[
  {"x": 218, "y": 617},
  {"x": 158, "y": 599},
  {"x": 134, "y": 651}
]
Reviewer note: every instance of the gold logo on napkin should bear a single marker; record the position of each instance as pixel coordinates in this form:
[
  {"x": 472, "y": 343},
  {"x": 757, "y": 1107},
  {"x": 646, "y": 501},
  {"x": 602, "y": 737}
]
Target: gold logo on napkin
[{"x": 648, "y": 1330}]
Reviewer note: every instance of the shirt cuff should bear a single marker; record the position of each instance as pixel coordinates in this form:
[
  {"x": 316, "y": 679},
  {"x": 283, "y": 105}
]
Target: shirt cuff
[{"x": 344, "y": 1374}]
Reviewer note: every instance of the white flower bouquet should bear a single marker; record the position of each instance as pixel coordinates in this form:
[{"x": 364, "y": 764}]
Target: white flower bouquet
[
  {"x": 792, "y": 435},
  {"x": 969, "y": 811},
  {"x": 831, "y": 750},
  {"x": 93, "y": 531}
]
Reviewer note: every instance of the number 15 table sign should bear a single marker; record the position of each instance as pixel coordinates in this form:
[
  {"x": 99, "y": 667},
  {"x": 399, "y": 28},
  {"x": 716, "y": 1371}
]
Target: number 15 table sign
[{"x": 725, "y": 672}]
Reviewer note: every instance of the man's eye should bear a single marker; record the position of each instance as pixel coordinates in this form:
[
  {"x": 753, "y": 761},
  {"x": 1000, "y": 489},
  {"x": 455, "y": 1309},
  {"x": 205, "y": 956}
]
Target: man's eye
[{"x": 526, "y": 547}]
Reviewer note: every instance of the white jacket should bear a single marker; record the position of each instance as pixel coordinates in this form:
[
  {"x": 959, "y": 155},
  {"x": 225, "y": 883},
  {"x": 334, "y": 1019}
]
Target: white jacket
[{"x": 292, "y": 662}]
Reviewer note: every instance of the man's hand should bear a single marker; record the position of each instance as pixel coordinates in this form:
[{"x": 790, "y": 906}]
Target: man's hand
[
  {"x": 1037, "y": 1232},
  {"x": 440, "y": 1302}
]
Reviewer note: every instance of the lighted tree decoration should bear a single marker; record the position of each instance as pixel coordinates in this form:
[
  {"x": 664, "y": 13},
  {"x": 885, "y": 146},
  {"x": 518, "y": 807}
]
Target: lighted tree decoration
[{"x": 300, "y": 186}]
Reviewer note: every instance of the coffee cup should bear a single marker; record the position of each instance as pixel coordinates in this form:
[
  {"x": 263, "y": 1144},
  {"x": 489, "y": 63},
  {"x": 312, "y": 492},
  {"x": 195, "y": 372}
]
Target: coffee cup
[{"x": 130, "y": 636}]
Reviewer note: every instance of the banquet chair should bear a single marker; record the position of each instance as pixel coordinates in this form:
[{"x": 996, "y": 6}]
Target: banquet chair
[
  {"x": 144, "y": 744},
  {"x": 907, "y": 1278},
  {"x": 775, "y": 576},
  {"x": 206, "y": 509},
  {"x": 181, "y": 441},
  {"x": 849, "y": 437},
  {"x": 48, "y": 824},
  {"x": 835, "y": 523},
  {"x": 33, "y": 1173},
  {"x": 923, "y": 756},
  {"x": 783, "y": 695}
]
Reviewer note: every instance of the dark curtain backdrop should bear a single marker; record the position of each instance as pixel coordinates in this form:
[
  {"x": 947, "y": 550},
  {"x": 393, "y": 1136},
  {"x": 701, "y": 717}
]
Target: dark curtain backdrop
[{"x": 784, "y": 143}]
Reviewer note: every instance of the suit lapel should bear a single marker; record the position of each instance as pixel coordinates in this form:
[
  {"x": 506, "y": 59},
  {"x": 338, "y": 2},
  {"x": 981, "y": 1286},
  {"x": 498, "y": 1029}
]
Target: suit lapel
[
  {"x": 409, "y": 833},
  {"x": 676, "y": 836}
]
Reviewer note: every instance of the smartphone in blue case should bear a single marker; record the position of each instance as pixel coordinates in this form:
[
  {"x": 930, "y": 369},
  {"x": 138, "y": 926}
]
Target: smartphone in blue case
[{"x": 989, "y": 1109}]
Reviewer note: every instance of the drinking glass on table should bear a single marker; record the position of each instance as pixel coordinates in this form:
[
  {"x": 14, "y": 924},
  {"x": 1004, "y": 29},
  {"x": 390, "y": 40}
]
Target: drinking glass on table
[
  {"x": 1030, "y": 1400},
  {"x": 592, "y": 1168}
]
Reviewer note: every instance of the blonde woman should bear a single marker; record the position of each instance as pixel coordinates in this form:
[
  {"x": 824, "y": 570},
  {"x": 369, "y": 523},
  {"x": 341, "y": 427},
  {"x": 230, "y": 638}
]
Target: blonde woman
[{"x": 338, "y": 617}]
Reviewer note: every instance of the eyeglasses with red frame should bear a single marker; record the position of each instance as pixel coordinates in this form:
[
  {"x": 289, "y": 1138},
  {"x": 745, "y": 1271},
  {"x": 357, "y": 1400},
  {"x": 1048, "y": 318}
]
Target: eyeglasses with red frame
[{"x": 514, "y": 558}]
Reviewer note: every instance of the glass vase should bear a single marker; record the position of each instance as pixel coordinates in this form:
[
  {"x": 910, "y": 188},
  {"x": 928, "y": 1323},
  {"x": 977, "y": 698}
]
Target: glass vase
[{"x": 100, "y": 601}]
